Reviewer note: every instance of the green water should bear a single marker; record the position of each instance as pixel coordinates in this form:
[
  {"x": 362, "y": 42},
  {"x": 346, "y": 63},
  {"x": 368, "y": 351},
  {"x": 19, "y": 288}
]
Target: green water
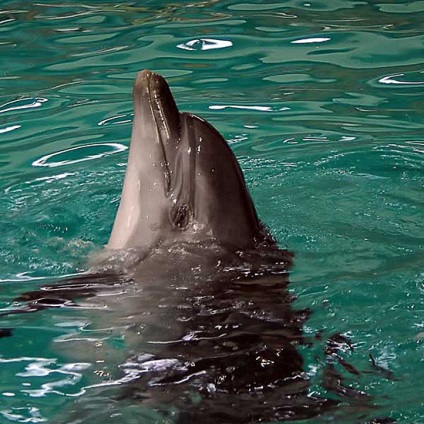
[{"x": 322, "y": 102}]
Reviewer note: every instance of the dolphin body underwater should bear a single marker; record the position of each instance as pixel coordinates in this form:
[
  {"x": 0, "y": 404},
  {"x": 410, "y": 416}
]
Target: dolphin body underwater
[{"x": 193, "y": 283}]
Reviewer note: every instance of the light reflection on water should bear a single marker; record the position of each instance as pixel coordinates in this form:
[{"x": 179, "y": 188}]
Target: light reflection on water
[
  {"x": 46, "y": 160},
  {"x": 205, "y": 44}
]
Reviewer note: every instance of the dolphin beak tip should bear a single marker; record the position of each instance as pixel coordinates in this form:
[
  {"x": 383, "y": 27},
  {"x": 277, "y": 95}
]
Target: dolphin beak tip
[
  {"x": 142, "y": 83},
  {"x": 146, "y": 79},
  {"x": 145, "y": 74},
  {"x": 143, "y": 78}
]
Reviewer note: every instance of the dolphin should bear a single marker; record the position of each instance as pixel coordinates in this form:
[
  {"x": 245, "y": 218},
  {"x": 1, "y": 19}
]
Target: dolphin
[
  {"x": 183, "y": 182},
  {"x": 192, "y": 281}
]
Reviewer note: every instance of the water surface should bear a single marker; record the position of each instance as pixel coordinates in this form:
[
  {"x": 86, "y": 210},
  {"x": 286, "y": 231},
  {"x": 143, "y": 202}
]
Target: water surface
[{"x": 322, "y": 103}]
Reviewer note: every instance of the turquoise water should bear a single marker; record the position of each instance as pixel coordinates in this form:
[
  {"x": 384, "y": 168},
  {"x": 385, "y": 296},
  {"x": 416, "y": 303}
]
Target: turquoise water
[{"x": 322, "y": 103}]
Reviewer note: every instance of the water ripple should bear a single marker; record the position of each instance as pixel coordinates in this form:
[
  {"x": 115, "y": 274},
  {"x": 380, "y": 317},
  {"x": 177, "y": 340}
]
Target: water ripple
[
  {"x": 8, "y": 129},
  {"x": 88, "y": 151},
  {"x": 398, "y": 79},
  {"x": 245, "y": 107},
  {"x": 28, "y": 103},
  {"x": 311, "y": 40},
  {"x": 25, "y": 414},
  {"x": 116, "y": 120},
  {"x": 205, "y": 44}
]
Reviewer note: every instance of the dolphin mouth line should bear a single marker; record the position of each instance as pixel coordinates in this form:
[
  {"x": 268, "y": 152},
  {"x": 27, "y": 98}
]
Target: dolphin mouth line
[
  {"x": 159, "y": 116},
  {"x": 180, "y": 214}
]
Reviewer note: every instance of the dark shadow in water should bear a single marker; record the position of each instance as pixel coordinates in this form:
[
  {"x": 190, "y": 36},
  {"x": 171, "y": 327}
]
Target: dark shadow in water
[
  {"x": 5, "y": 332},
  {"x": 228, "y": 352}
]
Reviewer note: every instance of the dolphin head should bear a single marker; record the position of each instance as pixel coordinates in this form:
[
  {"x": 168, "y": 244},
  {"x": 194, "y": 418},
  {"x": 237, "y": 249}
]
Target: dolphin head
[{"x": 183, "y": 182}]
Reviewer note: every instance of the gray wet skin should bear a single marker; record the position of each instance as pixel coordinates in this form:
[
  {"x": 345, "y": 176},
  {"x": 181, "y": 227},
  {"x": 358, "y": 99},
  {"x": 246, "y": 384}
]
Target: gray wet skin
[{"x": 183, "y": 182}]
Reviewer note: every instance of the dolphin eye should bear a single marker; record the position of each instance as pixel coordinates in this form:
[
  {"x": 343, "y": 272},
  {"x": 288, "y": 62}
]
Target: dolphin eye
[{"x": 180, "y": 215}]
